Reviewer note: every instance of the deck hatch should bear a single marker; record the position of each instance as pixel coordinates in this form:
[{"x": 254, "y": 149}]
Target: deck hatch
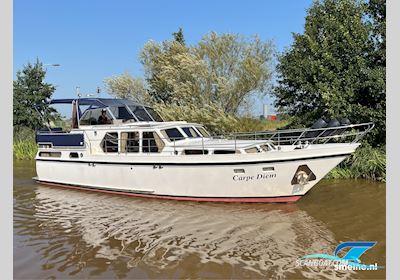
[{"x": 61, "y": 139}]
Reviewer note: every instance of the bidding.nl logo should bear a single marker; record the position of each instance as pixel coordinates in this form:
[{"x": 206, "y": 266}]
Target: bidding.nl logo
[{"x": 350, "y": 261}]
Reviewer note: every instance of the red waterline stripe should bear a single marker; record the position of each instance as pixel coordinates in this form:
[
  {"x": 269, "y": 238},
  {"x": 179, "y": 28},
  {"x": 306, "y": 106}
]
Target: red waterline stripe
[{"x": 292, "y": 198}]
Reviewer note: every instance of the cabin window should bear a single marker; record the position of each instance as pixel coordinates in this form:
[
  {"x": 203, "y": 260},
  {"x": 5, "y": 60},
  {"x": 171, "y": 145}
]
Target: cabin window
[
  {"x": 266, "y": 148},
  {"x": 152, "y": 143},
  {"x": 203, "y": 131},
  {"x": 121, "y": 113},
  {"x": 154, "y": 114},
  {"x": 110, "y": 142},
  {"x": 172, "y": 134},
  {"x": 140, "y": 113},
  {"x": 190, "y": 132},
  {"x": 195, "y": 152},
  {"x": 91, "y": 117},
  {"x": 73, "y": 155},
  {"x": 224, "y": 152},
  {"x": 50, "y": 154},
  {"x": 130, "y": 142},
  {"x": 252, "y": 150}
]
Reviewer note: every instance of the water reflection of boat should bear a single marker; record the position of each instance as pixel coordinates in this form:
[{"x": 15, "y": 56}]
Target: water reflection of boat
[{"x": 172, "y": 238}]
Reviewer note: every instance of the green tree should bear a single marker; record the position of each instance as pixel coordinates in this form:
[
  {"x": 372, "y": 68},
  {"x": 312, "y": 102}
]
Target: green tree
[
  {"x": 171, "y": 71},
  {"x": 329, "y": 70},
  {"x": 376, "y": 9},
  {"x": 126, "y": 86},
  {"x": 178, "y": 36},
  {"x": 30, "y": 92},
  {"x": 221, "y": 69},
  {"x": 237, "y": 68}
]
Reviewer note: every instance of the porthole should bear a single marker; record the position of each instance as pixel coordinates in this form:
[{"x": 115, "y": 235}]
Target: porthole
[
  {"x": 239, "y": 170},
  {"x": 50, "y": 154},
  {"x": 268, "y": 169},
  {"x": 73, "y": 155}
]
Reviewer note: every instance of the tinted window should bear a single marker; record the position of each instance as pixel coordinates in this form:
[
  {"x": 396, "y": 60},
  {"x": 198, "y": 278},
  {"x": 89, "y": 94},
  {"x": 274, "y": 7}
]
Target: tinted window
[
  {"x": 151, "y": 143},
  {"x": 154, "y": 114},
  {"x": 190, "y": 132},
  {"x": 203, "y": 131},
  {"x": 195, "y": 152},
  {"x": 140, "y": 113},
  {"x": 121, "y": 113},
  {"x": 174, "y": 134},
  {"x": 223, "y": 152},
  {"x": 266, "y": 148},
  {"x": 91, "y": 117},
  {"x": 110, "y": 142},
  {"x": 130, "y": 142}
]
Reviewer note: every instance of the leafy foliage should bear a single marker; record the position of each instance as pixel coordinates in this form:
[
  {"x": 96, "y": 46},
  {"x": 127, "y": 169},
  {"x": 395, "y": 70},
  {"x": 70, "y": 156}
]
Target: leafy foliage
[
  {"x": 236, "y": 68},
  {"x": 331, "y": 69},
  {"x": 24, "y": 145},
  {"x": 179, "y": 37},
  {"x": 216, "y": 121},
  {"x": 221, "y": 70},
  {"x": 366, "y": 162},
  {"x": 30, "y": 92},
  {"x": 173, "y": 72},
  {"x": 126, "y": 86}
]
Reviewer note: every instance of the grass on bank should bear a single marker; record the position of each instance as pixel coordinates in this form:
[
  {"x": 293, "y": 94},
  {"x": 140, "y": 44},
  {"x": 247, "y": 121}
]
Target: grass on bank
[
  {"x": 24, "y": 145},
  {"x": 367, "y": 163},
  {"x": 24, "y": 149}
]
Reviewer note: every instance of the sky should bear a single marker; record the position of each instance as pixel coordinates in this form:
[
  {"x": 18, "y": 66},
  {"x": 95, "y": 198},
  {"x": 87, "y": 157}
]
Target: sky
[{"x": 96, "y": 39}]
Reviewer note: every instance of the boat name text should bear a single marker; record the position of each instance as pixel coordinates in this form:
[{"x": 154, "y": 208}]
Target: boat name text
[{"x": 253, "y": 177}]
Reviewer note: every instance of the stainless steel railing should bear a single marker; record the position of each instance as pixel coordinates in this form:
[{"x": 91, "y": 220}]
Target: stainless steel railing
[{"x": 347, "y": 134}]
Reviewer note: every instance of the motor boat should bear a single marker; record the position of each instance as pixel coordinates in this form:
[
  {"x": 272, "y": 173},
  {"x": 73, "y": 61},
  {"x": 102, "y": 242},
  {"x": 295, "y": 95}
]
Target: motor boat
[{"x": 119, "y": 146}]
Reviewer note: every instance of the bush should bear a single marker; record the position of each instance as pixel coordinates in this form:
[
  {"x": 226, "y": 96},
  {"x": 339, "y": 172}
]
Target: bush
[
  {"x": 366, "y": 162},
  {"x": 24, "y": 144}
]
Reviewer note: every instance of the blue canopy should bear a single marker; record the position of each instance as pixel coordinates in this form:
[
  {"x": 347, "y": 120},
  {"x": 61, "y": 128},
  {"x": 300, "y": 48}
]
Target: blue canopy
[
  {"x": 98, "y": 102},
  {"x": 148, "y": 113}
]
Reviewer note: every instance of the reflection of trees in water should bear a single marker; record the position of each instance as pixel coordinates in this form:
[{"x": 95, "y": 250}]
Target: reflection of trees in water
[{"x": 173, "y": 238}]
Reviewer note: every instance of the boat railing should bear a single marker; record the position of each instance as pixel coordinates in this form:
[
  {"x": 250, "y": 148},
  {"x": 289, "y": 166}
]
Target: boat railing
[
  {"x": 295, "y": 137},
  {"x": 351, "y": 133}
]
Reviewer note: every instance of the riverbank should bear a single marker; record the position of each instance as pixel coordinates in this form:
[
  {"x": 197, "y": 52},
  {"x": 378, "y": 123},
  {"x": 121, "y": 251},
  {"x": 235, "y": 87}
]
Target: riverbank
[{"x": 367, "y": 163}]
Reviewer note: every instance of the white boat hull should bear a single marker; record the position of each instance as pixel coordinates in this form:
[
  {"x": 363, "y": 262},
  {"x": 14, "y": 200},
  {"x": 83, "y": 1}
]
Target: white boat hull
[{"x": 204, "y": 178}]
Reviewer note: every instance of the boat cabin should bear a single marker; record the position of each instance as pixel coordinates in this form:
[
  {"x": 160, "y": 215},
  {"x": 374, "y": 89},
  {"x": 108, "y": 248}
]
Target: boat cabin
[
  {"x": 118, "y": 126},
  {"x": 87, "y": 111}
]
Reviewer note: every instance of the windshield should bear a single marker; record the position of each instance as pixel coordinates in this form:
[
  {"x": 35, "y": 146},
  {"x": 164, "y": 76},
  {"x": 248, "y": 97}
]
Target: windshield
[
  {"x": 172, "y": 134},
  {"x": 190, "y": 132},
  {"x": 94, "y": 117},
  {"x": 121, "y": 113},
  {"x": 203, "y": 131},
  {"x": 154, "y": 114},
  {"x": 140, "y": 113}
]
